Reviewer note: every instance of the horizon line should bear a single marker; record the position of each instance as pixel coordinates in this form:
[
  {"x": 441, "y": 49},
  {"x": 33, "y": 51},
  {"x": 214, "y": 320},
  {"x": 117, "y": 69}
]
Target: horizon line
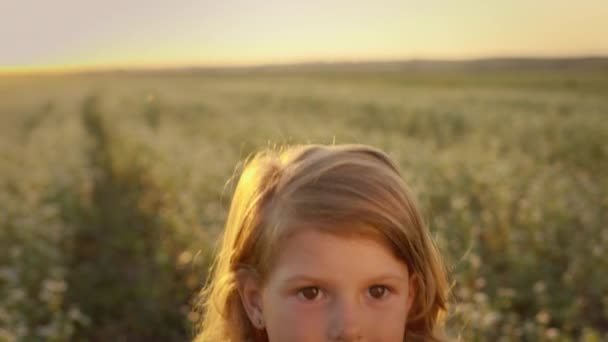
[{"x": 89, "y": 69}]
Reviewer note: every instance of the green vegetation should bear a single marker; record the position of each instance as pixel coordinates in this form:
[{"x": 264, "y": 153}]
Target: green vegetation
[{"x": 113, "y": 188}]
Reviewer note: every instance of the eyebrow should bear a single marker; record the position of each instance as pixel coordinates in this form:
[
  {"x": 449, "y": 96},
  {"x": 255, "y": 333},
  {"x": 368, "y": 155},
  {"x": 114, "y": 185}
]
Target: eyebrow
[{"x": 310, "y": 278}]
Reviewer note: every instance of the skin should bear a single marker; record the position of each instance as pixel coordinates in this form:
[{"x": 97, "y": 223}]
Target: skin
[{"x": 331, "y": 288}]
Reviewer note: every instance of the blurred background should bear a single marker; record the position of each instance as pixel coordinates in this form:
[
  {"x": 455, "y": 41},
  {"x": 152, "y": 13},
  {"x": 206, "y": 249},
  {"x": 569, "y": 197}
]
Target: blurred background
[{"x": 121, "y": 124}]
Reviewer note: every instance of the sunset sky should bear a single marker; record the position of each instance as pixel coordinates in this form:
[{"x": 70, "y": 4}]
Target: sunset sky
[{"x": 90, "y": 34}]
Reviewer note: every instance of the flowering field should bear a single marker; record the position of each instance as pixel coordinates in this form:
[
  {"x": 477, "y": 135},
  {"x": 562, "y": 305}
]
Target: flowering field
[{"x": 114, "y": 186}]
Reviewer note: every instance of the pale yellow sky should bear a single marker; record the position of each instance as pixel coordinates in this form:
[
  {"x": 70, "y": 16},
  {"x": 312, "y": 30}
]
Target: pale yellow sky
[{"x": 136, "y": 33}]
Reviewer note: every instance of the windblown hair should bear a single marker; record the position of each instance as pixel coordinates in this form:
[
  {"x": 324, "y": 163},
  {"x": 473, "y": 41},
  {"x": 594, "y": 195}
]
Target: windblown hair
[{"x": 340, "y": 189}]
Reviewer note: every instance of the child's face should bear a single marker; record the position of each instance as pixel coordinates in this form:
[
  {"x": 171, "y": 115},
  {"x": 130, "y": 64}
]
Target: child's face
[{"x": 325, "y": 288}]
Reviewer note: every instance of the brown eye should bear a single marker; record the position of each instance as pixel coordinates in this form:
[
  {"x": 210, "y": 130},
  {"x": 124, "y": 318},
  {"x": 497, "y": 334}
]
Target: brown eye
[
  {"x": 378, "y": 291},
  {"x": 309, "y": 293}
]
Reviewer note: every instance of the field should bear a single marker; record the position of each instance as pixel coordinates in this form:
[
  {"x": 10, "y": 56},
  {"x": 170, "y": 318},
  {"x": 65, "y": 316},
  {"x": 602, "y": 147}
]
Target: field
[{"x": 115, "y": 185}]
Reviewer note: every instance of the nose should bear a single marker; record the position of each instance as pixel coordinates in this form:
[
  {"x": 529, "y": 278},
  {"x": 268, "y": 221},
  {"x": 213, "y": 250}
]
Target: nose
[{"x": 345, "y": 321}]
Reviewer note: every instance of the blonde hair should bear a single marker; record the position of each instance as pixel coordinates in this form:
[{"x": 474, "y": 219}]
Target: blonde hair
[{"x": 335, "y": 188}]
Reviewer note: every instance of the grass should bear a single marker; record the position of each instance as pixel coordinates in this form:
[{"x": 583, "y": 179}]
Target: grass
[{"x": 113, "y": 187}]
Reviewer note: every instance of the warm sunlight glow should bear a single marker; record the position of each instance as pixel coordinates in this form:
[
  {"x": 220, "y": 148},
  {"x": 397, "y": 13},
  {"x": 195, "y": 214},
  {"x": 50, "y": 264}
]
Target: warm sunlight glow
[{"x": 113, "y": 34}]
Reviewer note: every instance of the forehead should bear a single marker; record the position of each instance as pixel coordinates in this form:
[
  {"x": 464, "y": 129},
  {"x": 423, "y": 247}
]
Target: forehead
[
  {"x": 331, "y": 256},
  {"x": 321, "y": 229}
]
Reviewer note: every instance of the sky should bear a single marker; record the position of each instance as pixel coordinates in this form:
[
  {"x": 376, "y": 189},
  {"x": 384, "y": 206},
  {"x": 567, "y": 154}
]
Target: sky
[{"x": 89, "y": 34}]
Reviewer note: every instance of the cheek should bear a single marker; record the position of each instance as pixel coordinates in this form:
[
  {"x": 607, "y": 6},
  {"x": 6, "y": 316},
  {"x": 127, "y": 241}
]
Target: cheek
[
  {"x": 388, "y": 325},
  {"x": 288, "y": 320},
  {"x": 385, "y": 321}
]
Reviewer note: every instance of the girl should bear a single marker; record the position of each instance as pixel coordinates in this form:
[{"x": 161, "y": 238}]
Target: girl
[{"x": 324, "y": 243}]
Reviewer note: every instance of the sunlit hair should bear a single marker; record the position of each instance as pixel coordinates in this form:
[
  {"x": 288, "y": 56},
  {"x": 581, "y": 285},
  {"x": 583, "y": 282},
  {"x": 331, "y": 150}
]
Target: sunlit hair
[{"x": 340, "y": 189}]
